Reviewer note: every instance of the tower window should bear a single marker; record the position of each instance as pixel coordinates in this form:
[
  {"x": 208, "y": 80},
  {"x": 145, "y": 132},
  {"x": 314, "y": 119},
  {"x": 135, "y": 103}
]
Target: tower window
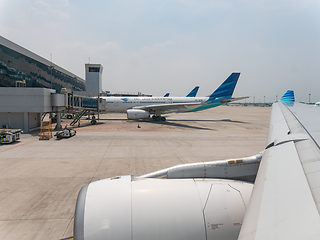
[{"x": 94, "y": 69}]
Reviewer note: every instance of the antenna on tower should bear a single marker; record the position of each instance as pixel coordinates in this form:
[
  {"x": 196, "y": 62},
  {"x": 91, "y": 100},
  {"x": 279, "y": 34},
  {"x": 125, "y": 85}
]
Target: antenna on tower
[{"x": 51, "y": 71}]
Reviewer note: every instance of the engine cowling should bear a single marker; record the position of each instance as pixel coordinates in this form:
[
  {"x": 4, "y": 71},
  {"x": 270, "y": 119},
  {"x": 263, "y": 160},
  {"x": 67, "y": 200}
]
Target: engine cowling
[
  {"x": 137, "y": 114},
  {"x": 125, "y": 208}
]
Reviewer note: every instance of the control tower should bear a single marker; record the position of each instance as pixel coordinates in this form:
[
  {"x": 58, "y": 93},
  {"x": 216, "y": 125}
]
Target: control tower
[{"x": 93, "y": 79}]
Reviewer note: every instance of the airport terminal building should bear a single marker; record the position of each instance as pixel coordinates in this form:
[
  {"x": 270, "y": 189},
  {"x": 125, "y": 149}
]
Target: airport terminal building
[
  {"x": 30, "y": 83},
  {"x": 18, "y": 64},
  {"x": 28, "y": 86}
]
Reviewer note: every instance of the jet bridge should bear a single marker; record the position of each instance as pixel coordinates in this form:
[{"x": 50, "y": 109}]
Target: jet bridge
[
  {"x": 85, "y": 105},
  {"x": 73, "y": 102},
  {"x": 22, "y": 108}
]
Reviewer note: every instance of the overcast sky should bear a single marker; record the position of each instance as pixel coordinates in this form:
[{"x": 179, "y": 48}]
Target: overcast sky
[{"x": 173, "y": 45}]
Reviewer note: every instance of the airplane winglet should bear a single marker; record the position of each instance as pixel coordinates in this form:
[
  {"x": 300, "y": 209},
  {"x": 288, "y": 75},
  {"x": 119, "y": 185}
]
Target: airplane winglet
[{"x": 288, "y": 96}]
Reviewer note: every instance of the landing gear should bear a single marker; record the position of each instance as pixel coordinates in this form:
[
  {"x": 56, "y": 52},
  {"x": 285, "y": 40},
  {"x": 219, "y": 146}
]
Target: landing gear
[{"x": 158, "y": 118}]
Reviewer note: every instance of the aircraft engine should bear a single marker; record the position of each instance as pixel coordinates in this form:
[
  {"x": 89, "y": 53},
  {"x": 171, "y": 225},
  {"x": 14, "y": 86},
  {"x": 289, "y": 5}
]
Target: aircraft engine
[
  {"x": 137, "y": 114},
  {"x": 127, "y": 208}
]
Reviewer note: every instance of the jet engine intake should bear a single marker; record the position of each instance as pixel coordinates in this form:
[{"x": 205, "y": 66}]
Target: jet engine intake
[
  {"x": 137, "y": 114},
  {"x": 182, "y": 209}
]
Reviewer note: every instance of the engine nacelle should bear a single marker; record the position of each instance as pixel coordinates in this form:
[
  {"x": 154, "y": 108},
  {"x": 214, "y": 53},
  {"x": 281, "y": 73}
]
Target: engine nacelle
[
  {"x": 126, "y": 208},
  {"x": 137, "y": 114}
]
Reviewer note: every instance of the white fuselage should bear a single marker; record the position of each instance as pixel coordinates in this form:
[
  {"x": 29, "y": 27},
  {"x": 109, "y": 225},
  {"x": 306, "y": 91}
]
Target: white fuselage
[{"x": 122, "y": 104}]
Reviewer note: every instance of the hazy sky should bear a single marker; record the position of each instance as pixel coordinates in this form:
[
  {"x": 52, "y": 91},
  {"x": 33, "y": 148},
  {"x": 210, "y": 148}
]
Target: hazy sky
[{"x": 171, "y": 46}]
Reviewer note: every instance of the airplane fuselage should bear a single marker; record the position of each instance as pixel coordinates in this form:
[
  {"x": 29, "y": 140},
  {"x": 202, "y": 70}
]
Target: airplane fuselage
[{"x": 122, "y": 104}]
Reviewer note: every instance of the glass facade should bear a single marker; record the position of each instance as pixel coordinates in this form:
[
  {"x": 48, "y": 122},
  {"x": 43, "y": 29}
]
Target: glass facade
[{"x": 15, "y": 66}]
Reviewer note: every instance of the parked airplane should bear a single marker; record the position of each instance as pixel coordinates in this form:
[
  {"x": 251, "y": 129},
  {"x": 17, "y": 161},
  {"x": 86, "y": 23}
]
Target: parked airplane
[
  {"x": 143, "y": 107},
  {"x": 193, "y": 92},
  {"x": 271, "y": 195}
]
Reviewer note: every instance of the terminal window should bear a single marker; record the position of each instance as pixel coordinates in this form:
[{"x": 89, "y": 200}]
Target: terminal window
[{"x": 94, "y": 69}]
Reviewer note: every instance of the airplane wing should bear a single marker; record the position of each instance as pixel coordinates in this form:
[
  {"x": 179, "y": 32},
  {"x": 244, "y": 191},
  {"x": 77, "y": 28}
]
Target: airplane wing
[
  {"x": 285, "y": 202},
  {"x": 168, "y": 108}
]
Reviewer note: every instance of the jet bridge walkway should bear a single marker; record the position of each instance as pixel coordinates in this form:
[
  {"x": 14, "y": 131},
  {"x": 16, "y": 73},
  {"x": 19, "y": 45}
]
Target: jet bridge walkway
[
  {"x": 82, "y": 103},
  {"x": 85, "y": 105}
]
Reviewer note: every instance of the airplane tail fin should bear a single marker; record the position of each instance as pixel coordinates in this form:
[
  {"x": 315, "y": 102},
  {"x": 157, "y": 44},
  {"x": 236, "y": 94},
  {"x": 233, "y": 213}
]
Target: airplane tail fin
[
  {"x": 288, "y": 96},
  {"x": 227, "y": 87},
  {"x": 193, "y": 92},
  {"x": 166, "y": 95}
]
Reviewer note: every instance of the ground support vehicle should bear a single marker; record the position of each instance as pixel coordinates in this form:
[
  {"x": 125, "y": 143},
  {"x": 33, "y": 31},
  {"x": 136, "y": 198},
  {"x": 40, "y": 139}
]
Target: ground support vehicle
[
  {"x": 66, "y": 133},
  {"x": 8, "y": 135}
]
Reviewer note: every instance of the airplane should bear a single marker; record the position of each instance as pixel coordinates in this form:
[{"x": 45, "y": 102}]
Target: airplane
[
  {"x": 193, "y": 92},
  {"x": 142, "y": 107},
  {"x": 271, "y": 195}
]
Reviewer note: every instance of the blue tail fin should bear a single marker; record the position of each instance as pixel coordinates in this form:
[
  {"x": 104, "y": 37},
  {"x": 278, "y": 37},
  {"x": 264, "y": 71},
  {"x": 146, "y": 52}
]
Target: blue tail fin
[
  {"x": 167, "y": 94},
  {"x": 227, "y": 87},
  {"x": 288, "y": 96},
  {"x": 193, "y": 92}
]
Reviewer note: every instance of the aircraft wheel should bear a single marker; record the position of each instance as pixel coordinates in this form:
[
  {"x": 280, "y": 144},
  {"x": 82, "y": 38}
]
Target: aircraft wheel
[
  {"x": 163, "y": 119},
  {"x": 158, "y": 118},
  {"x": 154, "y": 117}
]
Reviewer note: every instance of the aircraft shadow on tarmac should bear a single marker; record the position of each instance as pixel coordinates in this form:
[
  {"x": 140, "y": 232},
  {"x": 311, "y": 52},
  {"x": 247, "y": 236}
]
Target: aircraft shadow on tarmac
[
  {"x": 176, "y": 124},
  {"x": 173, "y": 124},
  {"x": 207, "y": 120}
]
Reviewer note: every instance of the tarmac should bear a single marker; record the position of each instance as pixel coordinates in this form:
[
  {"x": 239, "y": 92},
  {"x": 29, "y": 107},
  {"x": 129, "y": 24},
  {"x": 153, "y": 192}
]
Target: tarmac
[{"x": 40, "y": 179}]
